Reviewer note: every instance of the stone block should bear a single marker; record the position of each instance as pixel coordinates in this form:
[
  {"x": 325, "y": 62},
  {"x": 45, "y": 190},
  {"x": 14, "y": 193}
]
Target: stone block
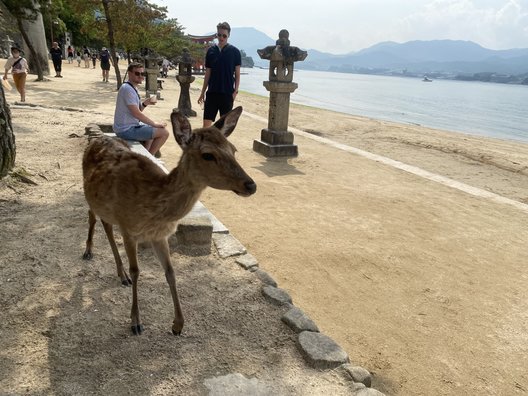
[
  {"x": 228, "y": 246},
  {"x": 297, "y": 320},
  {"x": 270, "y": 150},
  {"x": 359, "y": 374},
  {"x": 276, "y": 295},
  {"x": 247, "y": 261},
  {"x": 321, "y": 351},
  {"x": 193, "y": 236}
]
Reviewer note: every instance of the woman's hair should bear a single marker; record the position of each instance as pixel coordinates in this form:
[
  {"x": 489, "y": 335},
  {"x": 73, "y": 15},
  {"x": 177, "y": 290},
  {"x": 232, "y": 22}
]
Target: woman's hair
[{"x": 224, "y": 26}]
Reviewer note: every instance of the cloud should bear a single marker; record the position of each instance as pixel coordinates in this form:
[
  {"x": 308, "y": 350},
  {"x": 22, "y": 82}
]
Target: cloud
[{"x": 493, "y": 24}]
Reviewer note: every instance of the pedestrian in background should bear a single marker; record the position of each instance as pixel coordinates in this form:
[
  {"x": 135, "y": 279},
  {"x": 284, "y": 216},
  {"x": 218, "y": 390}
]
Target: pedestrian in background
[
  {"x": 86, "y": 57},
  {"x": 70, "y": 54},
  {"x": 104, "y": 58},
  {"x": 19, "y": 69},
  {"x": 56, "y": 57}
]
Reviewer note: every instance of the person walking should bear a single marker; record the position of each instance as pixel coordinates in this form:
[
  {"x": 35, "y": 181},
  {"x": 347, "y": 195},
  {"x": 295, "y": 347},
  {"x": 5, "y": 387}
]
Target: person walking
[
  {"x": 56, "y": 57},
  {"x": 129, "y": 121},
  {"x": 86, "y": 57},
  {"x": 78, "y": 57},
  {"x": 19, "y": 69},
  {"x": 94, "y": 58},
  {"x": 70, "y": 54},
  {"x": 222, "y": 76},
  {"x": 104, "y": 58}
]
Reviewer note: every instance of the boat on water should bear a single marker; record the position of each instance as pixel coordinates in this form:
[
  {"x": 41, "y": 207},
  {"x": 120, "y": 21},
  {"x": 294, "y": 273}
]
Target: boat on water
[{"x": 427, "y": 79}]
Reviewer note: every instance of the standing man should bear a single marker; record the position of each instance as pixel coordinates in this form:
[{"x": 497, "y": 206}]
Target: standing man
[
  {"x": 104, "y": 58},
  {"x": 222, "y": 76},
  {"x": 56, "y": 57},
  {"x": 129, "y": 121}
]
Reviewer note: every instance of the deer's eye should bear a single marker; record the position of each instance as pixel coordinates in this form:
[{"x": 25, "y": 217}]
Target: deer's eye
[{"x": 208, "y": 157}]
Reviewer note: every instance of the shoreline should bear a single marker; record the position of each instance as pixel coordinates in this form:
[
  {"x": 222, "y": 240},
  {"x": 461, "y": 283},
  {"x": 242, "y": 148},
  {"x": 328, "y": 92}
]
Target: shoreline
[{"x": 481, "y": 118}]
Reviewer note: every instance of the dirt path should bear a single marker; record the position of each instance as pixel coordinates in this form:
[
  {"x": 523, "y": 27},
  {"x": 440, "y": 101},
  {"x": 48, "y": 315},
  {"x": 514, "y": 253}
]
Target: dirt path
[{"x": 422, "y": 284}]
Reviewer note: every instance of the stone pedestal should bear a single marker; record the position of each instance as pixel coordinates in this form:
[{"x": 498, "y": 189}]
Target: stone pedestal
[
  {"x": 276, "y": 140},
  {"x": 184, "y": 102}
]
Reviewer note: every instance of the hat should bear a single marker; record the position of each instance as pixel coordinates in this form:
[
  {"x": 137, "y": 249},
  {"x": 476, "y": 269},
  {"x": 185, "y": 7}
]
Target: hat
[
  {"x": 16, "y": 46},
  {"x": 103, "y": 49}
]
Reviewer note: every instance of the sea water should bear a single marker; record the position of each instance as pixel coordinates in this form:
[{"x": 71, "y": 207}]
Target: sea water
[{"x": 486, "y": 109}]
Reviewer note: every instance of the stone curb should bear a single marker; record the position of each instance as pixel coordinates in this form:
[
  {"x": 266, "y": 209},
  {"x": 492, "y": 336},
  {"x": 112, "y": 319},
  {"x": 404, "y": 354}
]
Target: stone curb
[{"x": 319, "y": 350}]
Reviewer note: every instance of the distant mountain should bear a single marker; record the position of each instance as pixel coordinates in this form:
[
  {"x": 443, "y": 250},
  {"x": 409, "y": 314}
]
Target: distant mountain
[
  {"x": 422, "y": 57},
  {"x": 439, "y": 58}
]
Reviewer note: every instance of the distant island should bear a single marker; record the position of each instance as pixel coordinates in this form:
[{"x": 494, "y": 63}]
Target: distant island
[{"x": 436, "y": 59}]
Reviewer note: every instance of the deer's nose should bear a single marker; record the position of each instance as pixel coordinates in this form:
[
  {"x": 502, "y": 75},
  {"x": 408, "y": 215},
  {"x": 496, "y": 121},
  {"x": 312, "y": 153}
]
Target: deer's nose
[{"x": 250, "y": 186}]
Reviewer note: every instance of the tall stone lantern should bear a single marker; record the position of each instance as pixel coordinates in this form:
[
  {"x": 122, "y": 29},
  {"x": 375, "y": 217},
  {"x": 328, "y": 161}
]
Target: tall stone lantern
[
  {"x": 276, "y": 140},
  {"x": 185, "y": 78}
]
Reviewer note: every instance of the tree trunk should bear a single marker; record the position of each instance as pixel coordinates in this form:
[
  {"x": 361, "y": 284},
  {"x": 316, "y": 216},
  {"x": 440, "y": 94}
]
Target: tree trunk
[
  {"x": 7, "y": 137},
  {"x": 32, "y": 30},
  {"x": 112, "y": 42}
]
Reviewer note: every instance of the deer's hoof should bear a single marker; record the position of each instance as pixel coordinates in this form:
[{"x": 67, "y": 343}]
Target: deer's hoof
[
  {"x": 126, "y": 282},
  {"x": 137, "y": 329},
  {"x": 87, "y": 255},
  {"x": 176, "y": 333}
]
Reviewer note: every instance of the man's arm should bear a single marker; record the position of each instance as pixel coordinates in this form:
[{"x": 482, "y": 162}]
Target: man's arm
[
  {"x": 134, "y": 110},
  {"x": 205, "y": 83},
  {"x": 237, "y": 78}
]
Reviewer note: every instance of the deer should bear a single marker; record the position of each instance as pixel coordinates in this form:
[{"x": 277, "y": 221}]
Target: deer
[{"x": 128, "y": 190}]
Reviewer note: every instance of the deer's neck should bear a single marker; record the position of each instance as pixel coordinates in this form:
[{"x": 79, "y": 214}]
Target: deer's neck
[{"x": 181, "y": 193}]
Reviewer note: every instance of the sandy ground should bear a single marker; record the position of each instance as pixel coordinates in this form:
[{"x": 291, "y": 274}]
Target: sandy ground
[{"x": 422, "y": 284}]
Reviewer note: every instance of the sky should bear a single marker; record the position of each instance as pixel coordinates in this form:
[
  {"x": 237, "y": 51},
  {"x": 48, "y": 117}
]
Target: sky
[{"x": 343, "y": 26}]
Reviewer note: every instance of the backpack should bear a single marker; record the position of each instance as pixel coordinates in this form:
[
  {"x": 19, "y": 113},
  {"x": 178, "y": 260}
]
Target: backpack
[{"x": 104, "y": 57}]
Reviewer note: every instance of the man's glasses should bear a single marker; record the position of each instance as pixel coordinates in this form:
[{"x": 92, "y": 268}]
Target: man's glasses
[
  {"x": 221, "y": 35},
  {"x": 140, "y": 74}
]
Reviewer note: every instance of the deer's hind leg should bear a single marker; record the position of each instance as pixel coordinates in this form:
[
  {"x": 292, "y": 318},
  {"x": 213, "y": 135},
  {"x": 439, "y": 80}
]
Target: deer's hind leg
[
  {"x": 125, "y": 279},
  {"x": 87, "y": 255}
]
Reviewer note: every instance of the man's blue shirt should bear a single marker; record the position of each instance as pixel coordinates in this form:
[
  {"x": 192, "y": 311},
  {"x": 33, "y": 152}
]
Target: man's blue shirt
[{"x": 222, "y": 64}]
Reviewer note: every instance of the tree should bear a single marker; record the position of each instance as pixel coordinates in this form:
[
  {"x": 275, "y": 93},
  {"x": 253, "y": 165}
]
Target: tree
[
  {"x": 28, "y": 11},
  {"x": 7, "y": 138}
]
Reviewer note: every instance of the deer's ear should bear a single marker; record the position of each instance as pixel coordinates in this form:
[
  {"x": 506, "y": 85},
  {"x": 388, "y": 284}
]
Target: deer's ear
[
  {"x": 181, "y": 128},
  {"x": 227, "y": 123}
]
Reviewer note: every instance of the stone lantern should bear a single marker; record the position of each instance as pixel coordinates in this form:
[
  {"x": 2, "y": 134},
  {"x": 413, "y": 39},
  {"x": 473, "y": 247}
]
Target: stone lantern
[
  {"x": 185, "y": 78},
  {"x": 152, "y": 69},
  {"x": 276, "y": 141}
]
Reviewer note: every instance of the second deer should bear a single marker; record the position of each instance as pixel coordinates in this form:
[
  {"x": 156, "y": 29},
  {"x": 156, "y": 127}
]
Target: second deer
[{"x": 128, "y": 190}]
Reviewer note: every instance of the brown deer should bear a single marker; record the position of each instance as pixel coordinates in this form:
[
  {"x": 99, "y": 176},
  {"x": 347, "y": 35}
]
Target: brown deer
[{"x": 128, "y": 190}]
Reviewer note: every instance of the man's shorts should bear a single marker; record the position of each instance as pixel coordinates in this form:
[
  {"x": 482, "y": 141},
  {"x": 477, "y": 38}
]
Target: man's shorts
[
  {"x": 217, "y": 102},
  {"x": 140, "y": 133}
]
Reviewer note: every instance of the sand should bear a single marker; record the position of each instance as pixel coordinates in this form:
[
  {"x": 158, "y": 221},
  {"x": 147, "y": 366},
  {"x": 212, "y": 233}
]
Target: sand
[{"x": 421, "y": 283}]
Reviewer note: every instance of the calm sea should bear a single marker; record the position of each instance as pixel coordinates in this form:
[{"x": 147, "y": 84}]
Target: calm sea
[{"x": 487, "y": 109}]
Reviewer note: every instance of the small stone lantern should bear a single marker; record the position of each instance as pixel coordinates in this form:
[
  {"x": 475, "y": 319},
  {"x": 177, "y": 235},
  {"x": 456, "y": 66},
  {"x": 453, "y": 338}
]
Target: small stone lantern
[
  {"x": 185, "y": 78},
  {"x": 276, "y": 141},
  {"x": 152, "y": 70}
]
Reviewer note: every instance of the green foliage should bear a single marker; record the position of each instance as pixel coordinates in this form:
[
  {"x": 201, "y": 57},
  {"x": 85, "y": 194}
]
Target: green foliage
[{"x": 136, "y": 24}]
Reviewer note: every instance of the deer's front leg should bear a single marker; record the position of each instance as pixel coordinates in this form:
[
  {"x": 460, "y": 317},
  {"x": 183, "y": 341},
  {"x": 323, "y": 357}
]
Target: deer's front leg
[
  {"x": 161, "y": 247},
  {"x": 131, "y": 251}
]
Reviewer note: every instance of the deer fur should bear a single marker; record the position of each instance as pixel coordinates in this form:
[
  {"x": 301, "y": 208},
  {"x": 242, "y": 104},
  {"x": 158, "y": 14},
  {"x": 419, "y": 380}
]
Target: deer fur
[{"x": 128, "y": 190}]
